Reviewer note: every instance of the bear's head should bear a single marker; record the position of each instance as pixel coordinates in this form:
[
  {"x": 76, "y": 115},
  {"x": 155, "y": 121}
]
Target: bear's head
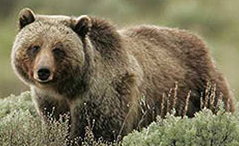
[{"x": 47, "y": 48}]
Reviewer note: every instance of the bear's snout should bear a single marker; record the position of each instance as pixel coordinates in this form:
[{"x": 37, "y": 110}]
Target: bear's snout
[
  {"x": 43, "y": 74},
  {"x": 44, "y": 66}
]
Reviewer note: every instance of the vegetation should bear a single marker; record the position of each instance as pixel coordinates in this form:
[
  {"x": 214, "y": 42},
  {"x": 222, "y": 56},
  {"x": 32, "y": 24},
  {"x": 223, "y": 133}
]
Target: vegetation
[
  {"x": 20, "y": 125},
  {"x": 205, "y": 129}
]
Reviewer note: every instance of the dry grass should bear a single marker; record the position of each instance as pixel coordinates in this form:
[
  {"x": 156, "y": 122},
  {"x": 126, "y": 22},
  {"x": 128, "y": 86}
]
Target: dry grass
[{"x": 170, "y": 102}]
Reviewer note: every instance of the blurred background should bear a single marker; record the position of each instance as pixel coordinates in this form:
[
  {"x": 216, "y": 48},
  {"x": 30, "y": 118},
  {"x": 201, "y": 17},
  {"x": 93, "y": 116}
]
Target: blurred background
[{"x": 217, "y": 21}]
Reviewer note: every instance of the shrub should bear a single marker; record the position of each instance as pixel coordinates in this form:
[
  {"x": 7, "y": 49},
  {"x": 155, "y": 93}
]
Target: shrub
[
  {"x": 15, "y": 103},
  {"x": 205, "y": 129},
  {"x": 20, "y": 125}
]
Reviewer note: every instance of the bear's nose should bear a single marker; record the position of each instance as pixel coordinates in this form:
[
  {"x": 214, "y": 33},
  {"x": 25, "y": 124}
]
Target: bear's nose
[{"x": 43, "y": 74}]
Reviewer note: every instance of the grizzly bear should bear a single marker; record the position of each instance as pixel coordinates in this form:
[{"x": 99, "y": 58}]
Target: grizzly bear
[{"x": 115, "y": 79}]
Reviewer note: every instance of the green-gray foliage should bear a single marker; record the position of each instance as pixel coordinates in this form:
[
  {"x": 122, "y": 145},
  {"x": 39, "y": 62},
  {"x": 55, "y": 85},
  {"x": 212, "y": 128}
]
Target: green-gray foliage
[
  {"x": 16, "y": 103},
  {"x": 205, "y": 129},
  {"x": 20, "y": 125}
]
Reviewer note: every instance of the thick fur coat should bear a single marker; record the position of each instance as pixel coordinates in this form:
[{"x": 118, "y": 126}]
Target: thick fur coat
[{"x": 88, "y": 68}]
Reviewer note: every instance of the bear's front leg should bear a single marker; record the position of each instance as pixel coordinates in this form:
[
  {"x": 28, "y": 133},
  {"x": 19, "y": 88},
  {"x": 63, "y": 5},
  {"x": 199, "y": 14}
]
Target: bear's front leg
[
  {"x": 78, "y": 122},
  {"x": 50, "y": 107}
]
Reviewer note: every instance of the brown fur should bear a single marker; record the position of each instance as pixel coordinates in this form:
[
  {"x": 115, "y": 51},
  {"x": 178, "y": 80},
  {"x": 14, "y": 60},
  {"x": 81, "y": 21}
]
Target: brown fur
[{"x": 104, "y": 73}]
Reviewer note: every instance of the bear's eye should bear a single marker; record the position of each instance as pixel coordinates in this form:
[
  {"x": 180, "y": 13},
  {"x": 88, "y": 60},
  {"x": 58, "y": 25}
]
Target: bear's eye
[
  {"x": 58, "y": 53},
  {"x": 34, "y": 50}
]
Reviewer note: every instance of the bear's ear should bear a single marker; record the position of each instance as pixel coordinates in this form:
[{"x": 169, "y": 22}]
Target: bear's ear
[
  {"x": 26, "y": 16},
  {"x": 82, "y": 25}
]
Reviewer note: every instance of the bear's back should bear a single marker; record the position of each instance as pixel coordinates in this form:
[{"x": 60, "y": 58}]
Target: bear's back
[{"x": 167, "y": 56}]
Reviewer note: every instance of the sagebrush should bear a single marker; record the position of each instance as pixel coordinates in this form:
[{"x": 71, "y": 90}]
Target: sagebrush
[{"x": 21, "y": 126}]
